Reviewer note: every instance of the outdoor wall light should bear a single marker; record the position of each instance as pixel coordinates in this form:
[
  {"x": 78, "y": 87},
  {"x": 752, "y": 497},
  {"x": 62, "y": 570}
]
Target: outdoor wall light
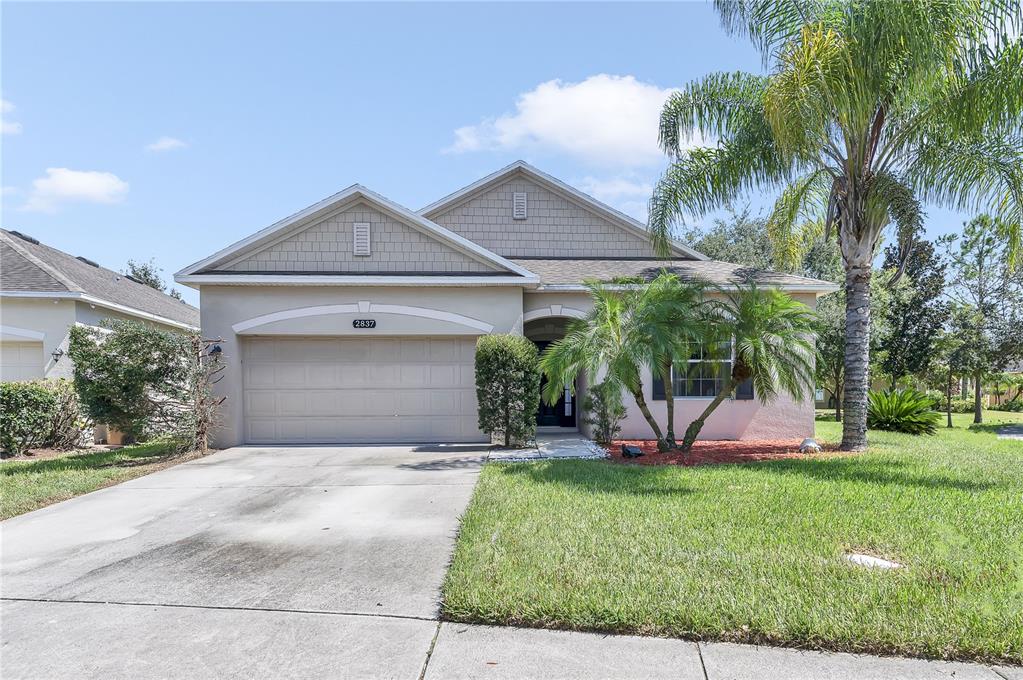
[{"x": 57, "y": 354}]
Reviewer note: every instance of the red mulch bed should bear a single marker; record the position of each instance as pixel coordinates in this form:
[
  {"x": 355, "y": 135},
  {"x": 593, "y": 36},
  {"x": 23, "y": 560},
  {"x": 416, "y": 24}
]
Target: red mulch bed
[{"x": 719, "y": 452}]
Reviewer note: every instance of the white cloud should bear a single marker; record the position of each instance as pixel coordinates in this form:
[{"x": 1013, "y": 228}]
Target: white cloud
[
  {"x": 605, "y": 119},
  {"x": 166, "y": 144},
  {"x": 8, "y": 127},
  {"x": 61, "y": 185},
  {"x": 628, "y": 194}
]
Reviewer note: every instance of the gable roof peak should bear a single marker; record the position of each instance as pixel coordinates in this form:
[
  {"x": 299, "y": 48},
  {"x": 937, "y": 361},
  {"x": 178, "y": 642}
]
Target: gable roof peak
[{"x": 558, "y": 186}]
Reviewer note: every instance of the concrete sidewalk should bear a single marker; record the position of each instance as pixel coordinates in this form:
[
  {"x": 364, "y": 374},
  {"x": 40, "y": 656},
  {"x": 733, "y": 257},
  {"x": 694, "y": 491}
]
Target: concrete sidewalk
[{"x": 133, "y": 641}]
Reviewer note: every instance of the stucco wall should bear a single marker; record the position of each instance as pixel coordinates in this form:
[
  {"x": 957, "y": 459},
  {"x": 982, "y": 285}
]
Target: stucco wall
[
  {"x": 554, "y": 227},
  {"x": 52, "y": 318},
  {"x": 327, "y": 246},
  {"x": 447, "y": 312}
]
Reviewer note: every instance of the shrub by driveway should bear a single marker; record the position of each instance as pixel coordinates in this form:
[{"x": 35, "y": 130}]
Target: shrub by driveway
[{"x": 755, "y": 552}]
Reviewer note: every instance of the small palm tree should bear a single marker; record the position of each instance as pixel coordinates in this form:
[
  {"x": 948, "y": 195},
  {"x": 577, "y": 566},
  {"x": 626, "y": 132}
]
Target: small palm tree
[
  {"x": 772, "y": 336},
  {"x": 869, "y": 108},
  {"x": 608, "y": 338},
  {"x": 669, "y": 324}
]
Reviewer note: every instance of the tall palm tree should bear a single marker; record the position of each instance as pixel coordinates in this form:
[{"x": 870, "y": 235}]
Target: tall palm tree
[
  {"x": 772, "y": 337},
  {"x": 670, "y": 324},
  {"x": 608, "y": 338},
  {"x": 869, "y": 108}
]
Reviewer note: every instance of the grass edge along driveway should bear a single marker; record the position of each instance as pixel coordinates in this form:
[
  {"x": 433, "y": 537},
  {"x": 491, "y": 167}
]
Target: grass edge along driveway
[
  {"x": 753, "y": 553},
  {"x": 27, "y": 485}
]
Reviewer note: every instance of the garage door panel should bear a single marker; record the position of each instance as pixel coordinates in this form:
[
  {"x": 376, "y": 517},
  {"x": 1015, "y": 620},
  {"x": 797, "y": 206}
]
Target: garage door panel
[
  {"x": 323, "y": 390},
  {"x": 21, "y": 361}
]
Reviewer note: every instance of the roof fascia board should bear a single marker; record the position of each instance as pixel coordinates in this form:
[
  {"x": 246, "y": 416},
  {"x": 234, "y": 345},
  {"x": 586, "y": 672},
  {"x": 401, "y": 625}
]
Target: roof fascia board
[
  {"x": 819, "y": 288},
  {"x": 565, "y": 190},
  {"x": 193, "y": 280},
  {"x": 99, "y": 302}
]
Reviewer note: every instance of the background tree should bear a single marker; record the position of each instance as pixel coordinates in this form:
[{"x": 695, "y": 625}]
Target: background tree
[
  {"x": 916, "y": 317},
  {"x": 740, "y": 239},
  {"x": 149, "y": 274},
  {"x": 988, "y": 291},
  {"x": 868, "y": 109}
]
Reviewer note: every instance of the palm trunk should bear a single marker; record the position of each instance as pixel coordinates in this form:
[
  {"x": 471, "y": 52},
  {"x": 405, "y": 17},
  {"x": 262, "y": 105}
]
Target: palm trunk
[
  {"x": 693, "y": 431},
  {"x": 857, "y": 356},
  {"x": 645, "y": 410},
  {"x": 669, "y": 400},
  {"x": 978, "y": 393}
]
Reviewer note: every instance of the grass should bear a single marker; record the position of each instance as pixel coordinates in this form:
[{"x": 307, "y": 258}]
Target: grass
[
  {"x": 753, "y": 553},
  {"x": 28, "y": 485}
]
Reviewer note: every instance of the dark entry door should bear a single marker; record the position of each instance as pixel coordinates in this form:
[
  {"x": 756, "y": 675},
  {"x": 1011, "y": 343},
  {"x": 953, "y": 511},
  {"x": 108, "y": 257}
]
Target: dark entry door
[{"x": 560, "y": 413}]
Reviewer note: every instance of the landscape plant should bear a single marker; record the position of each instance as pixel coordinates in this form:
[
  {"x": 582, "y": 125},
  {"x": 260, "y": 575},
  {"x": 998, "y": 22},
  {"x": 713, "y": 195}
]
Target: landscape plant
[
  {"x": 507, "y": 387},
  {"x": 909, "y": 411},
  {"x": 148, "y": 382},
  {"x": 772, "y": 340},
  {"x": 604, "y": 412},
  {"x": 608, "y": 341},
  {"x": 26, "y": 414},
  {"x": 867, "y": 109}
]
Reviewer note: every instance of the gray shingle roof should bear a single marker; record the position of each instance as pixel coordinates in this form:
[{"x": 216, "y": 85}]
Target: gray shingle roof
[
  {"x": 28, "y": 267},
  {"x": 556, "y": 272}
]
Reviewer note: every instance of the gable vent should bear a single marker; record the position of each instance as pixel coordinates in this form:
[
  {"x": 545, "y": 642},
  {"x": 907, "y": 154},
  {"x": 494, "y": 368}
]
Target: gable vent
[
  {"x": 519, "y": 205},
  {"x": 360, "y": 232}
]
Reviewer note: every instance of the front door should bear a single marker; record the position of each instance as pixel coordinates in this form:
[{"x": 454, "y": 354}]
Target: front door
[{"x": 562, "y": 412}]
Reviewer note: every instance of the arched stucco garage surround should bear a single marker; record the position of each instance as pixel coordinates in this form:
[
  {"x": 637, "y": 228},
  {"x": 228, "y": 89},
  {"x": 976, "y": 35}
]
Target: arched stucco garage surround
[{"x": 232, "y": 312}]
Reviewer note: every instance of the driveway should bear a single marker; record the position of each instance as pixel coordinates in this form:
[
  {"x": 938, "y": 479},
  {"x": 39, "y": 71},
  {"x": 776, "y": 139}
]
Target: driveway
[{"x": 251, "y": 562}]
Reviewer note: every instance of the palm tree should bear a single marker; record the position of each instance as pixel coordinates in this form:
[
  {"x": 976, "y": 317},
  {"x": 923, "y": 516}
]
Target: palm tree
[
  {"x": 772, "y": 336},
  {"x": 869, "y": 109},
  {"x": 608, "y": 338},
  {"x": 669, "y": 324}
]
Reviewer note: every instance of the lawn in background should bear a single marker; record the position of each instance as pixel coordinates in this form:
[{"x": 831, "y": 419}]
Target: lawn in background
[
  {"x": 28, "y": 485},
  {"x": 753, "y": 552}
]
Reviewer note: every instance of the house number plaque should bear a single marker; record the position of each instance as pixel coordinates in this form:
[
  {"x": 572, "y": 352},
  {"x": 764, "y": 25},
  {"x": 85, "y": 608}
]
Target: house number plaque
[{"x": 364, "y": 323}]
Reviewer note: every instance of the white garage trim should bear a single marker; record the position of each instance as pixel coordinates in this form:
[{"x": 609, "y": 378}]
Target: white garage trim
[
  {"x": 553, "y": 310},
  {"x": 25, "y": 333},
  {"x": 362, "y": 307}
]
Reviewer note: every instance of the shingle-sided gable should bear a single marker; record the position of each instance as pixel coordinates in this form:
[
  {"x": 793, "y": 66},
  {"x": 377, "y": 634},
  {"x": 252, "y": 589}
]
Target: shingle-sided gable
[
  {"x": 554, "y": 226},
  {"x": 328, "y": 246}
]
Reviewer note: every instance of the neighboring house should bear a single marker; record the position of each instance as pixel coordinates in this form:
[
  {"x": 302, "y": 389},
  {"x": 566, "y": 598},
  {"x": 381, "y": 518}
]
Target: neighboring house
[
  {"x": 44, "y": 292},
  {"x": 356, "y": 319}
]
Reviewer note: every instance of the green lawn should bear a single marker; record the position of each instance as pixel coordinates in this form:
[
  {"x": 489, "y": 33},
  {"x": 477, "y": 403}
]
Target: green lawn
[
  {"x": 753, "y": 552},
  {"x": 27, "y": 485}
]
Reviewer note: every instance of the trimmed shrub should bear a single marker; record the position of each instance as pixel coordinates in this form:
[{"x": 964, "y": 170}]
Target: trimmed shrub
[
  {"x": 604, "y": 412},
  {"x": 26, "y": 413},
  {"x": 906, "y": 411},
  {"x": 507, "y": 387},
  {"x": 40, "y": 413},
  {"x": 1012, "y": 406}
]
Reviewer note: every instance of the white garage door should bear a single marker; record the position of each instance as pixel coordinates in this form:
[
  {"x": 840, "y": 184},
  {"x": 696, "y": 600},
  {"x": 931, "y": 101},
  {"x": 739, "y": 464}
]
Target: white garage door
[
  {"x": 21, "y": 360},
  {"x": 336, "y": 390}
]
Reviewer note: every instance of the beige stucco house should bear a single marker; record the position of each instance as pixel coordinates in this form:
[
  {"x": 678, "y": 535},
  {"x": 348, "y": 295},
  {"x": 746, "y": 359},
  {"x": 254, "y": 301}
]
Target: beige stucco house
[
  {"x": 44, "y": 292},
  {"x": 355, "y": 320}
]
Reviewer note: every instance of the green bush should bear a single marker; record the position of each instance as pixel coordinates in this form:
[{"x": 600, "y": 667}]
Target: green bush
[
  {"x": 507, "y": 387},
  {"x": 40, "y": 413},
  {"x": 26, "y": 411},
  {"x": 906, "y": 411},
  {"x": 1013, "y": 406},
  {"x": 604, "y": 412},
  {"x": 148, "y": 382}
]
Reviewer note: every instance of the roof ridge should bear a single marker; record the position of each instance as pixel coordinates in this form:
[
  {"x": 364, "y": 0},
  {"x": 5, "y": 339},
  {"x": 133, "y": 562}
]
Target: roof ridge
[{"x": 53, "y": 272}]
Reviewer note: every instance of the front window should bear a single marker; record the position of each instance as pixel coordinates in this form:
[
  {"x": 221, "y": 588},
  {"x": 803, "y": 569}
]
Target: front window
[{"x": 704, "y": 373}]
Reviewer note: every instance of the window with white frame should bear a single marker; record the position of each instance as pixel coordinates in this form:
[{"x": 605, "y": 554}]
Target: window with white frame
[{"x": 704, "y": 373}]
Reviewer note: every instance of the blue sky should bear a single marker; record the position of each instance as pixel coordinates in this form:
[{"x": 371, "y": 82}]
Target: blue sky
[{"x": 168, "y": 131}]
